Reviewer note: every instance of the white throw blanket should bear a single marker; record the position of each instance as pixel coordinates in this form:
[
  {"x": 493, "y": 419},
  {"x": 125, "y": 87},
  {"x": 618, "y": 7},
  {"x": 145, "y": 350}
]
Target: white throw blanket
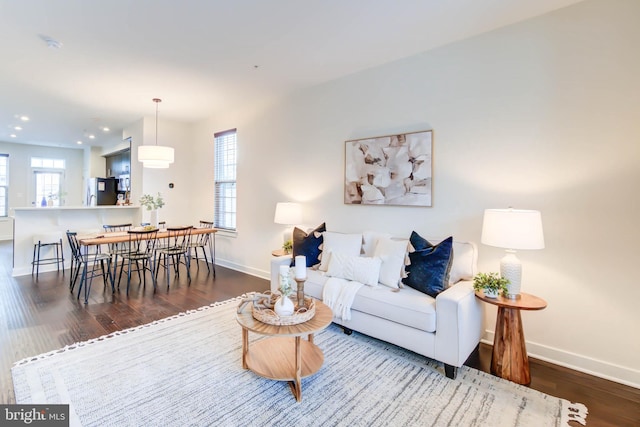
[{"x": 338, "y": 294}]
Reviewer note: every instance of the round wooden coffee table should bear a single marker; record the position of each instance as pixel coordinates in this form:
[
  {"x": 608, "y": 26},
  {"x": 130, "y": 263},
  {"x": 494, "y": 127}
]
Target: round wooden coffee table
[
  {"x": 509, "y": 359},
  {"x": 285, "y": 356}
]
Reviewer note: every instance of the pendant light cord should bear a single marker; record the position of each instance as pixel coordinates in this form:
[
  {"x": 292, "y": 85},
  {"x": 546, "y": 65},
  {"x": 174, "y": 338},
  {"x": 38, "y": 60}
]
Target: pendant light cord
[{"x": 157, "y": 101}]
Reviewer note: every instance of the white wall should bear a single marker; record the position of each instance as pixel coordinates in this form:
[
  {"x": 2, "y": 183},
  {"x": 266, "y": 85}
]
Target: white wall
[
  {"x": 540, "y": 115},
  {"x": 181, "y": 173},
  {"x": 21, "y": 186},
  {"x": 95, "y": 165}
]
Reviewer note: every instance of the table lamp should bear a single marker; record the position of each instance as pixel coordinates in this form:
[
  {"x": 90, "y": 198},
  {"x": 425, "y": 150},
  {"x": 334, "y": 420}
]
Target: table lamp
[
  {"x": 288, "y": 213},
  {"x": 512, "y": 229}
]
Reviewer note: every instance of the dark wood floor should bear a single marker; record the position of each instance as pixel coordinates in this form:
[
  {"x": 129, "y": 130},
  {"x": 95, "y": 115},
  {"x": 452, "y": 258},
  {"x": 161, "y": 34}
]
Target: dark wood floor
[{"x": 40, "y": 316}]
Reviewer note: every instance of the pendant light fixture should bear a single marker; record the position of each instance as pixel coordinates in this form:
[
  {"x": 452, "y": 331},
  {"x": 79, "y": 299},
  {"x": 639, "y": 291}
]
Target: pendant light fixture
[{"x": 155, "y": 156}]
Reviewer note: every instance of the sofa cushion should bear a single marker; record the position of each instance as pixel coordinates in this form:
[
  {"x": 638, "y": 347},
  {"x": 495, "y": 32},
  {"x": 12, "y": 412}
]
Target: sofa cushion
[
  {"x": 370, "y": 240},
  {"x": 347, "y": 244},
  {"x": 308, "y": 244},
  {"x": 405, "y": 306},
  {"x": 392, "y": 253},
  {"x": 430, "y": 265},
  {"x": 464, "y": 262},
  {"x": 360, "y": 269}
]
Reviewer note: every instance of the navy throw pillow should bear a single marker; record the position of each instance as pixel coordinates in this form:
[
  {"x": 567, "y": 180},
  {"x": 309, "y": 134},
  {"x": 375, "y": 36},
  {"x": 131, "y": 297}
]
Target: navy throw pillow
[
  {"x": 430, "y": 265},
  {"x": 308, "y": 244}
]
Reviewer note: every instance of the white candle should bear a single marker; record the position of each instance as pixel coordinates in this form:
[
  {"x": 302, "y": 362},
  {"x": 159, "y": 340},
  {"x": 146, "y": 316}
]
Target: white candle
[{"x": 301, "y": 267}]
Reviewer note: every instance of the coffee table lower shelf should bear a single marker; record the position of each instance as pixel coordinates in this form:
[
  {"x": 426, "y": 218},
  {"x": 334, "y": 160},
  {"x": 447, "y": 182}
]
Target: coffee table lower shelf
[{"x": 284, "y": 359}]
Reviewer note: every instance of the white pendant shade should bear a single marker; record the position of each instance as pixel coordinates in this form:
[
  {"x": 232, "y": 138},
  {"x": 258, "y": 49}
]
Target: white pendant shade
[{"x": 155, "y": 156}]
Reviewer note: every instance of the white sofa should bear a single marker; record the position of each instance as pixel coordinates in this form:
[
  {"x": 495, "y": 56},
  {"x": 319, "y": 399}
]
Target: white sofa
[{"x": 446, "y": 328}]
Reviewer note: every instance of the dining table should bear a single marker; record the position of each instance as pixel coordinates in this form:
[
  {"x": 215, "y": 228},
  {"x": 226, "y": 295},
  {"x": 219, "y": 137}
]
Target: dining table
[{"x": 86, "y": 241}]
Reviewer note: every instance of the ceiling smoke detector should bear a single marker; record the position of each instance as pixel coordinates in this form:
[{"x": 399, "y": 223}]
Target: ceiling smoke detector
[{"x": 52, "y": 43}]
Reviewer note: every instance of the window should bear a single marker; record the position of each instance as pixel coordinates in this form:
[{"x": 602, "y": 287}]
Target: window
[
  {"x": 4, "y": 183},
  {"x": 48, "y": 187},
  {"x": 48, "y": 178},
  {"x": 38, "y": 162},
  {"x": 226, "y": 156}
]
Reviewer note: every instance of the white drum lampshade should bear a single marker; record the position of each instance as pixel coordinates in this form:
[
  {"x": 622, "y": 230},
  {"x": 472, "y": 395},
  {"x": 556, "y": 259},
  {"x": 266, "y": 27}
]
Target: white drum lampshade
[
  {"x": 512, "y": 229},
  {"x": 155, "y": 156},
  {"x": 288, "y": 213}
]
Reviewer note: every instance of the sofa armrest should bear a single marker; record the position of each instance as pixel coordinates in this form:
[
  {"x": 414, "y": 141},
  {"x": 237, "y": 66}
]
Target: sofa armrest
[
  {"x": 458, "y": 323},
  {"x": 276, "y": 262}
]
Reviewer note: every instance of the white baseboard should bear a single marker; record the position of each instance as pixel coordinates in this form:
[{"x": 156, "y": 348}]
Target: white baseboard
[
  {"x": 577, "y": 362},
  {"x": 263, "y": 274},
  {"x": 26, "y": 270}
]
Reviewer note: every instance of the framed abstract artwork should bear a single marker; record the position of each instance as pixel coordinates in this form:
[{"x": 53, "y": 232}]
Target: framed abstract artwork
[{"x": 389, "y": 170}]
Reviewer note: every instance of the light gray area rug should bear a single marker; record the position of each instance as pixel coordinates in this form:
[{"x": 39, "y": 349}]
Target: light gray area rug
[{"x": 187, "y": 370}]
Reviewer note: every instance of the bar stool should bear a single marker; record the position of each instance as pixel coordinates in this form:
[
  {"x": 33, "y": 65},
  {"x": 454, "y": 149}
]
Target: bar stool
[{"x": 50, "y": 241}]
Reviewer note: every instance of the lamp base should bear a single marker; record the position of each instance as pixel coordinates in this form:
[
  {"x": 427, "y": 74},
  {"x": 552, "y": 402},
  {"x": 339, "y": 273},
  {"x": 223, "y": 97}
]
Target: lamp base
[{"x": 511, "y": 268}]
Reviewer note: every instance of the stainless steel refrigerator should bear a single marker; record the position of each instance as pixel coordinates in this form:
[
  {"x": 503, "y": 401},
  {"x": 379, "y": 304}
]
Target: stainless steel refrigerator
[{"x": 102, "y": 191}]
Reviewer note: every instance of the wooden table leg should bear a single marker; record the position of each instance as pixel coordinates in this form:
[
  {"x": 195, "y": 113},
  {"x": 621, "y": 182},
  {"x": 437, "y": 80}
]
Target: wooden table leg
[
  {"x": 298, "y": 379},
  {"x": 245, "y": 347},
  {"x": 509, "y": 359}
]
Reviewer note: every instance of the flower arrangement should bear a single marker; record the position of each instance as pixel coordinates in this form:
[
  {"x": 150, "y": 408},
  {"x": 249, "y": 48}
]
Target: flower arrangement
[
  {"x": 286, "y": 285},
  {"x": 288, "y": 246},
  {"x": 490, "y": 282},
  {"x": 149, "y": 202}
]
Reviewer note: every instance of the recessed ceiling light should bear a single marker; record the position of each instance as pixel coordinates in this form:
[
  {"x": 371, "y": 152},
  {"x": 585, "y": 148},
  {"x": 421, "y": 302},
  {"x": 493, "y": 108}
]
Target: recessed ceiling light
[
  {"x": 92, "y": 136},
  {"x": 24, "y": 118},
  {"x": 79, "y": 142},
  {"x": 17, "y": 128},
  {"x": 13, "y": 135},
  {"x": 105, "y": 129}
]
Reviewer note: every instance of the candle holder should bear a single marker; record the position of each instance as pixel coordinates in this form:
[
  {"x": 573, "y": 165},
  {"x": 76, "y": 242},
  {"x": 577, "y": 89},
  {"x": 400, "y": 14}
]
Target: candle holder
[{"x": 300, "y": 291}]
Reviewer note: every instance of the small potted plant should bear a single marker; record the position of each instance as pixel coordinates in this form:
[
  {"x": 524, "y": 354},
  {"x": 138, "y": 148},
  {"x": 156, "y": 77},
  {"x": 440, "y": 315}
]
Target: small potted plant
[
  {"x": 491, "y": 283},
  {"x": 152, "y": 204},
  {"x": 287, "y": 246}
]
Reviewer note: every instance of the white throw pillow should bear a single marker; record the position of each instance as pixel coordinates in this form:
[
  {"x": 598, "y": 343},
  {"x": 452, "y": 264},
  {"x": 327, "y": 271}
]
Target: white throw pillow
[
  {"x": 347, "y": 244},
  {"x": 360, "y": 269},
  {"x": 369, "y": 240},
  {"x": 392, "y": 253}
]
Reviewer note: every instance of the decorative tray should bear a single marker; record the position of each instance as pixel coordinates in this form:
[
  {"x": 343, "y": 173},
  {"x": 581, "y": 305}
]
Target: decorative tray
[{"x": 262, "y": 310}]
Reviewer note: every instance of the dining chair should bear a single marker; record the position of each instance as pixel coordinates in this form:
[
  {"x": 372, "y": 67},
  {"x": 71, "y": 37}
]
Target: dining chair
[
  {"x": 175, "y": 246},
  {"x": 117, "y": 249},
  {"x": 200, "y": 241},
  {"x": 92, "y": 264},
  {"x": 161, "y": 224},
  {"x": 140, "y": 256}
]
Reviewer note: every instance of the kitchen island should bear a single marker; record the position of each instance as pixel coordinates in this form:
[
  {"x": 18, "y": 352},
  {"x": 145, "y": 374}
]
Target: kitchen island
[{"x": 30, "y": 221}]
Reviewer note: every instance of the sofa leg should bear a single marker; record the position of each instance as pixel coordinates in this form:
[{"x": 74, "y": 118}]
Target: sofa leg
[
  {"x": 346, "y": 330},
  {"x": 450, "y": 371}
]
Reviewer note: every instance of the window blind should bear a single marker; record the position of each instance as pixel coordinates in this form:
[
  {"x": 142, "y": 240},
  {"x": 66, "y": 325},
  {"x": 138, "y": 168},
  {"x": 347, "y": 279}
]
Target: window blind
[
  {"x": 226, "y": 155},
  {"x": 4, "y": 184}
]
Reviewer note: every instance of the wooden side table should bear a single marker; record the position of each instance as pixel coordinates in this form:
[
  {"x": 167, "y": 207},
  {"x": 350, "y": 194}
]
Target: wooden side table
[
  {"x": 509, "y": 359},
  {"x": 284, "y": 355},
  {"x": 279, "y": 252}
]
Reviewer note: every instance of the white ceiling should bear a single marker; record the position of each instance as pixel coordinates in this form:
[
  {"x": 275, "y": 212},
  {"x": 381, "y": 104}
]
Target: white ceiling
[{"x": 200, "y": 56}]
